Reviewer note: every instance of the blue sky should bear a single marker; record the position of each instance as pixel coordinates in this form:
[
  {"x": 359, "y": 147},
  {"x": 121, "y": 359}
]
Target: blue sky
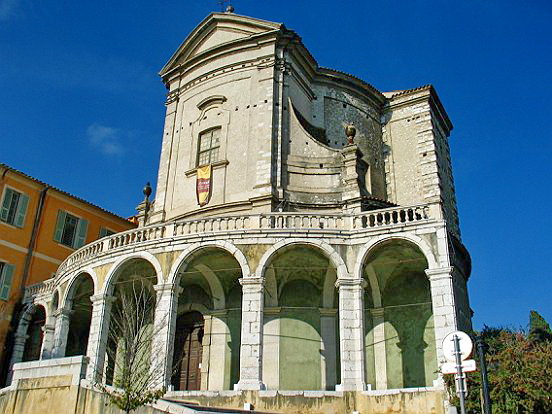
[{"x": 81, "y": 107}]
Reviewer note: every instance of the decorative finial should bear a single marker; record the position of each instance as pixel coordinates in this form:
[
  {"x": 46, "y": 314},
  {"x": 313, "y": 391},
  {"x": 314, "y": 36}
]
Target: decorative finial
[
  {"x": 230, "y": 9},
  {"x": 350, "y": 131},
  {"x": 147, "y": 190}
]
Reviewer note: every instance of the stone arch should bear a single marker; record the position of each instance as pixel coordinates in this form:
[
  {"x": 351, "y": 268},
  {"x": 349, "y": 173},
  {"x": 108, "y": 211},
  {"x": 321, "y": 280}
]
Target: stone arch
[
  {"x": 129, "y": 286},
  {"x": 205, "y": 277},
  {"x": 121, "y": 261},
  {"x": 35, "y": 319},
  {"x": 221, "y": 244},
  {"x": 300, "y": 301},
  {"x": 77, "y": 301},
  {"x": 399, "y": 344},
  {"x": 329, "y": 251},
  {"x": 377, "y": 241},
  {"x": 217, "y": 291},
  {"x": 69, "y": 291}
]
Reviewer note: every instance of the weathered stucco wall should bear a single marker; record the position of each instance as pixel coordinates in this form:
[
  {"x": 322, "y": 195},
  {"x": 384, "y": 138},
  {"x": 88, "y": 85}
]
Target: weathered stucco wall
[{"x": 50, "y": 396}]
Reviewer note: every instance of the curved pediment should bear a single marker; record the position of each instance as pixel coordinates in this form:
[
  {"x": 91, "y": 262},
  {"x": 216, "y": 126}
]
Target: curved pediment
[{"x": 216, "y": 30}]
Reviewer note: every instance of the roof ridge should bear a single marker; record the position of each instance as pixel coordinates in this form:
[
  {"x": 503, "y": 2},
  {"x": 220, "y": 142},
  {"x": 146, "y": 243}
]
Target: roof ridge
[
  {"x": 372, "y": 87},
  {"x": 82, "y": 200},
  {"x": 407, "y": 91}
]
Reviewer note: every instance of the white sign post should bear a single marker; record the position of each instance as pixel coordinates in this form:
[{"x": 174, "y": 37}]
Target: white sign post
[{"x": 457, "y": 347}]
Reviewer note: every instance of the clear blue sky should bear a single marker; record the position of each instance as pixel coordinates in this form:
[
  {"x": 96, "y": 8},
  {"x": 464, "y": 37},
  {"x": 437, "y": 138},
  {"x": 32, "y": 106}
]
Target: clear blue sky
[{"x": 81, "y": 107}]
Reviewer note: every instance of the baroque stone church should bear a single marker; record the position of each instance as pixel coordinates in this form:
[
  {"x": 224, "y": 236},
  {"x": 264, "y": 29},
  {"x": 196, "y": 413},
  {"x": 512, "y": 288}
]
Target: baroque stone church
[{"x": 304, "y": 235}]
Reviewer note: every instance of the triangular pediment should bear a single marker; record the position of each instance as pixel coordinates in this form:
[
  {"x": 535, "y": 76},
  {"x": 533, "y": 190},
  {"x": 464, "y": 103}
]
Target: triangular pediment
[{"x": 216, "y": 30}]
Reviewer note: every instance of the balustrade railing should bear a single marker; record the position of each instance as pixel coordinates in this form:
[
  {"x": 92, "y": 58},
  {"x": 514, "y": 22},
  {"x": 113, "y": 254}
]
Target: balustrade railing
[
  {"x": 366, "y": 220},
  {"x": 38, "y": 289}
]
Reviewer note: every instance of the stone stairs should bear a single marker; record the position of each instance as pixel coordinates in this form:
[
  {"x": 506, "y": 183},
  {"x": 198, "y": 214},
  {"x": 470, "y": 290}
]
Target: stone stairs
[{"x": 210, "y": 410}]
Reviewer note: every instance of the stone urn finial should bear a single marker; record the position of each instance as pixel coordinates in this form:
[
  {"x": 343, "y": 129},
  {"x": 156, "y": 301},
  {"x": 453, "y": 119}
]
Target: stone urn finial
[
  {"x": 147, "y": 190},
  {"x": 350, "y": 131}
]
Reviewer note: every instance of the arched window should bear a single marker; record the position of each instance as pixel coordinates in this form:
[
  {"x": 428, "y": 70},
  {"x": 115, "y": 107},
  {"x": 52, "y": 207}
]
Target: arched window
[{"x": 208, "y": 146}]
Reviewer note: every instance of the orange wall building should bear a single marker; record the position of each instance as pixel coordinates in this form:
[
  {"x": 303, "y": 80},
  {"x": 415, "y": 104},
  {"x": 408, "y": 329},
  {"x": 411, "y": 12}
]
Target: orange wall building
[{"x": 40, "y": 226}]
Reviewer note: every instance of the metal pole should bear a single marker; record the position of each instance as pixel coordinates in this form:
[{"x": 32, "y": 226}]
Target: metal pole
[
  {"x": 459, "y": 375},
  {"x": 481, "y": 348}
]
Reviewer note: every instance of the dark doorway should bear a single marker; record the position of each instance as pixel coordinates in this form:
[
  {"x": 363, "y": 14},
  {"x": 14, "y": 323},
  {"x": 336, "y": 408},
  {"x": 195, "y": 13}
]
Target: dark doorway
[{"x": 188, "y": 351}]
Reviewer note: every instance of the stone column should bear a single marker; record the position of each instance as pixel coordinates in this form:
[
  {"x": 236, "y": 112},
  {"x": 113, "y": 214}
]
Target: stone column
[
  {"x": 271, "y": 347},
  {"x": 444, "y": 307},
  {"x": 48, "y": 340},
  {"x": 328, "y": 348},
  {"x": 251, "y": 350},
  {"x": 380, "y": 358},
  {"x": 63, "y": 318},
  {"x": 351, "y": 188},
  {"x": 164, "y": 326},
  {"x": 97, "y": 339},
  {"x": 18, "y": 350},
  {"x": 351, "y": 334},
  {"x": 215, "y": 365}
]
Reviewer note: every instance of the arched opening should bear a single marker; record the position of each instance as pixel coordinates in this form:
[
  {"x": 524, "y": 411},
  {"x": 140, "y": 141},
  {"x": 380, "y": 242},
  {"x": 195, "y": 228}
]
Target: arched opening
[
  {"x": 131, "y": 332},
  {"x": 81, "y": 315},
  {"x": 208, "y": 322},
  {"x": 300, "y": 321},
  {"x": 35, "y": 334},
  {"x": 400, "y": 338}
]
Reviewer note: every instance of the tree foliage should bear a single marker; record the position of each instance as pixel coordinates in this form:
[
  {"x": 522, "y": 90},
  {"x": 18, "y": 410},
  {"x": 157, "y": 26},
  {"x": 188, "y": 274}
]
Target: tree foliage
[
  {"x": 539, "y": 330},
  {"x": 519, "y": 371}
]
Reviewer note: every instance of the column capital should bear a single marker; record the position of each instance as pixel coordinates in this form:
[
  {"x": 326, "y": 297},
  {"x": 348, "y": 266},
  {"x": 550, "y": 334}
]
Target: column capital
[
  {"x": 63, "y": 312},
  {"x": 252, "y": 281},
  {"x": 440, "y": 273},
  {"x": 97, "y": 299},
  {"x": 350, "y": 283},
  {"x": 327, "y": 312},
  {"x": 48, "y": 328},
  {"x": 20, "y": 338},
  {"x": 165, "y": 287},
  {"x": 217, "y": 313}
]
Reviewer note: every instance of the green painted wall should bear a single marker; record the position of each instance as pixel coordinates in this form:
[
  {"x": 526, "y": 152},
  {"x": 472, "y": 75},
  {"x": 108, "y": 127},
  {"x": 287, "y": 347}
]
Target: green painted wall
[{"x": 300, "y": 341}]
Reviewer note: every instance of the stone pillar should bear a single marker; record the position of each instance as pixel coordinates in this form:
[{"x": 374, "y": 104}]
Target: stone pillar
[
  {"x": 444, "y": 307},
  {"x": 97, "y": 340},
  {"x": 380, "y": 358},
  {"x": 48, "y": 340},
  {"x": 271, "y": 347},
  {"x": 18, "y": 350},
  {"x": 63, "y": 318},
  {"x": 164, "y": 326},
  {"x": 351, "y": 188},
  {"x": 251, "y": 350},
  {"x": 328, "y": 348},
  {"x": 351, "y": 333},
  {"x": 215, "y": 367}
]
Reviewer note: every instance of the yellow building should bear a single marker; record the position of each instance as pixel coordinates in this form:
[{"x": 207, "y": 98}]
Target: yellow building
[{"x": 40, "y": 226}]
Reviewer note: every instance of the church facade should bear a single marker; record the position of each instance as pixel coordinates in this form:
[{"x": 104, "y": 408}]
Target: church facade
[{"x": 304, "y": 233}]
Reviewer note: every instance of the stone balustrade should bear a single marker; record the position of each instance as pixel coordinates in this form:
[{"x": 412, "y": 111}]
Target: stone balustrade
[
  {"x": 38, "y": 289},
  {"x": 346, "y": 224}
]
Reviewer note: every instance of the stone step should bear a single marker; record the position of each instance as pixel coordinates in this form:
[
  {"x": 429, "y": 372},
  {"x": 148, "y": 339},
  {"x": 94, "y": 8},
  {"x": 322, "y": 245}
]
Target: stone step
[{"x": 212, "y": 410}]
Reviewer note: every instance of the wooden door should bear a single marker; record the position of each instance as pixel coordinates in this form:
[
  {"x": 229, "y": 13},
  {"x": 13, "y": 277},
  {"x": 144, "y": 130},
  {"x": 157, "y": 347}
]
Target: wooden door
[{"x": 188, "y": 351}]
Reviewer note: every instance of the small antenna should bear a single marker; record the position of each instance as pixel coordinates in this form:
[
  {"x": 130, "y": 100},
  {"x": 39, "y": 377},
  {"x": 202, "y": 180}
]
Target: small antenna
[{"x": 222, "y": 4}]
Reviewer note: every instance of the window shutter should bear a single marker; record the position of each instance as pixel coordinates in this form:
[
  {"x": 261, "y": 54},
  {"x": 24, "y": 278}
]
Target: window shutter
[
  {"x": 6, "y": 204},
  {"x": 6, "y": 279},
  {"x": 21, "y": 210},
  {"x": 59, "y": 225},
  {"x": 81, "y": 233}
]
